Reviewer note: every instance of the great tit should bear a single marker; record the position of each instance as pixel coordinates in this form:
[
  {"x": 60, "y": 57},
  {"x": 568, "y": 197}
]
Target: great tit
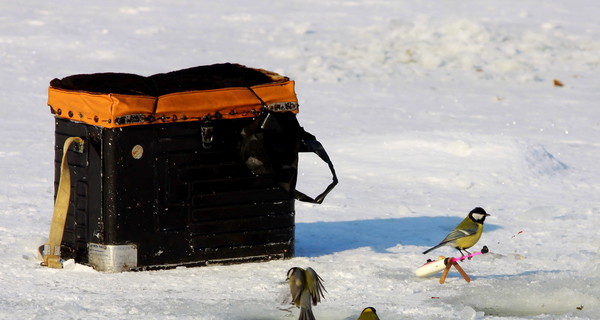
[
  {"x": 306, "y": 287},
  {"x": 368, "y": 313},
  {"x": 466, "y": 234}
]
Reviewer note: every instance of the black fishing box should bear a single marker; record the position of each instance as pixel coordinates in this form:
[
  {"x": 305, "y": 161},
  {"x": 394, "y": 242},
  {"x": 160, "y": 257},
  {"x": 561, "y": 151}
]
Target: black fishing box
[{"x": 191, "y": 167}]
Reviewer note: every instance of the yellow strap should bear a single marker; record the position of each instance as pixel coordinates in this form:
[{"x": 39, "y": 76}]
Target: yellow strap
[{"x": 61, "y": 206}]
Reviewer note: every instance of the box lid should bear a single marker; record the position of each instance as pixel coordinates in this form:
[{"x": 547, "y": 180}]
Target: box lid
[{"x": 221, "y": 91}]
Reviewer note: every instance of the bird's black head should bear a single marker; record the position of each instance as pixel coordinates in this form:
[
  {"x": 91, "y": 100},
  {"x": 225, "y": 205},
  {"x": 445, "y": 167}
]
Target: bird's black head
[
  {"x": 289, "y": 273},
  {"x": 478, "y": 215},
  {"x": 370, "y": 309}
]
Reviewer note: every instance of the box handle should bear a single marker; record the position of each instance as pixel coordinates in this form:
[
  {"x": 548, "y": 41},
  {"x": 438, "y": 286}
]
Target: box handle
[{"x": 310, "y": 144}]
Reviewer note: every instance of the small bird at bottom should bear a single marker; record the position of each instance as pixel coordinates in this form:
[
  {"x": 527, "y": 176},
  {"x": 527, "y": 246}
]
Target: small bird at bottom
[
  {"x": 306, "y": 288},
  {"x": 466, "y": 234},
  {"x": 368, "y": 313}
]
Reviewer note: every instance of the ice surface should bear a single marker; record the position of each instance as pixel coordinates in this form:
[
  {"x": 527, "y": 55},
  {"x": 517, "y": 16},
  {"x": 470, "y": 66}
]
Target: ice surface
[{"x": 427, "y": 109}]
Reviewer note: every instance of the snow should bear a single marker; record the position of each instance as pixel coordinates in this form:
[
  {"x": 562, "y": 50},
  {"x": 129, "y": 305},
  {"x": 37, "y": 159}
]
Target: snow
[{"x": 427, "y": 109}]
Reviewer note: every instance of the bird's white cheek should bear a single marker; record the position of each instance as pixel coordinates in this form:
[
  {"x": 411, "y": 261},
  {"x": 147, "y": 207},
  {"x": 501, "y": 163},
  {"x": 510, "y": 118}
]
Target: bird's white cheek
[{"x": 477, "y": 216}]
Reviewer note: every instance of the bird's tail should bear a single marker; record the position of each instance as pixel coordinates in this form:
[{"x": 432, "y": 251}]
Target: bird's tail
[
  {"x": 433, "y": 248},
  {"x": 306, "y": 314}
]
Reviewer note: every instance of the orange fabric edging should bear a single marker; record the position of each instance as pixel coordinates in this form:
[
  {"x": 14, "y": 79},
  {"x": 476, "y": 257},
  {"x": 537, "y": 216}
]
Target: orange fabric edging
[{"x": 119, "y": 110}]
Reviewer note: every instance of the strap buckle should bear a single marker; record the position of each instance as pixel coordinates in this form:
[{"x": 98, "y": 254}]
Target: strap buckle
[{"x": 50, "y": 256}]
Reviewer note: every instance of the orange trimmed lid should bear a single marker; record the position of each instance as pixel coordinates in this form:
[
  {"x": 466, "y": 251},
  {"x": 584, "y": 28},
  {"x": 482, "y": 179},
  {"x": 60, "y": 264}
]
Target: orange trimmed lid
[{"x": 220, "y": 91}]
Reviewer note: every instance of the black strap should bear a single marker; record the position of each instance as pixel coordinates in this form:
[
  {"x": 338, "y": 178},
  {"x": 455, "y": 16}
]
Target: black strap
[{"x": 310, "y": 144}]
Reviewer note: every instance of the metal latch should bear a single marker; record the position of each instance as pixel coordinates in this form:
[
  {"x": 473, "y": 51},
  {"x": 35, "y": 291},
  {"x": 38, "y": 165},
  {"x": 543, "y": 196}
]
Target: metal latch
[
  {"x": 206, "y": 133},
  {"x": 79, "y": 147}
]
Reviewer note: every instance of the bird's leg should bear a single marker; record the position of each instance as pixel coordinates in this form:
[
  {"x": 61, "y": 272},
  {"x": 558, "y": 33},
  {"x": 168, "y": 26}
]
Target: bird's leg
[{"x": 462, "y": 254}]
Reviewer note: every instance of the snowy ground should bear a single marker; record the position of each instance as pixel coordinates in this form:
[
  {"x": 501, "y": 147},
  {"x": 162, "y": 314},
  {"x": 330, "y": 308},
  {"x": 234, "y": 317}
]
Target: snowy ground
[{"x": 427, "y": 108}]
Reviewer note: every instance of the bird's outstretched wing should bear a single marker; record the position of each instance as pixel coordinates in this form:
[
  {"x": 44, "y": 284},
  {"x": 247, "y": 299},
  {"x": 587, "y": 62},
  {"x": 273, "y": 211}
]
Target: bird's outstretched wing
[
  {"x": 296, "y": 281},
  {"x": 315, "y": 285}
]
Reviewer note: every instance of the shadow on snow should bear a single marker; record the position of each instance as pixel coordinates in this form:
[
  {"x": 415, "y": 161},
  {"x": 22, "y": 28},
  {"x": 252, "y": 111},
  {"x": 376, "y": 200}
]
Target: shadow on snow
[{"x": 321, "y": 238}]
